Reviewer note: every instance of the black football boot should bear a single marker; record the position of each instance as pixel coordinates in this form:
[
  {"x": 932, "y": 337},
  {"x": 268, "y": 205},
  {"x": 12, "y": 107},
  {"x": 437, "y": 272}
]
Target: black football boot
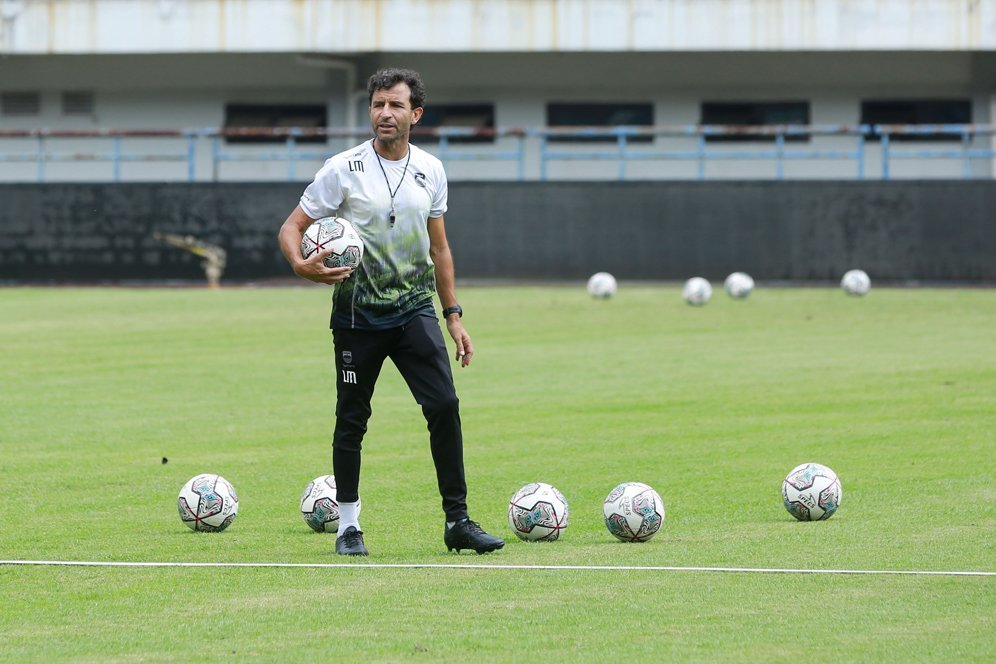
[{"x": 467, "y": 534}]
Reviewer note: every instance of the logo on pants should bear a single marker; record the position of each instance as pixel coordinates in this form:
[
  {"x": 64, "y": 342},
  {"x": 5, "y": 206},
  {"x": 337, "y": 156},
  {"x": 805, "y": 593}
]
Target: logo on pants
[
  {"x": 347, "y": 357},
  {"x": 349, "y": 376}
]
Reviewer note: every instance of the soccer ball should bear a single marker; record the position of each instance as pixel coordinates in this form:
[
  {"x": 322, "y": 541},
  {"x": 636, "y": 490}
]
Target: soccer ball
[
  {"x": 697, "y": 291},
  {"x": 855, "y": 282},
  {"x": 739, "y": 285},
  {"x": 602, "y": 285},
  {"x": 538, "y": 512},
  {"x": 811, "y": 492},
  {"x": 208, "y": 503},
  {"x": 319, "y": 506},
  {"x": 337, "y": 234},
  {"x": 633, "y": 512}
]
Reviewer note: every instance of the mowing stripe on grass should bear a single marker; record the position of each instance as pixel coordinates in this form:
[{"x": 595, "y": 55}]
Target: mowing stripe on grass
[{"x": 593, "y": 568}]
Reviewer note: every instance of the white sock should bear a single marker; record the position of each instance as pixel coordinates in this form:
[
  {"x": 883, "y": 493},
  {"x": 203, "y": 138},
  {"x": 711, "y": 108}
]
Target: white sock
[{"x": 348, "y": 516}]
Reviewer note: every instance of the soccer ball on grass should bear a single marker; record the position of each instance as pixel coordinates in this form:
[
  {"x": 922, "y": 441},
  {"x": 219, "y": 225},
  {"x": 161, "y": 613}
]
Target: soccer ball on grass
[
  {"x": 538, "y": 512},
  {"x": 811, "y": 492},
  {"x": 739, "y": 285},
  {"x": 208, "y": 503},
  {"x": 697, "y": 291},
  {"x": 633, "y": 512},
  {"x": 319, "y": 505},
  {"x": 337, "y": 234},
  {"x": 855, "y": 282},
  {"x": 602, "y": 285}
]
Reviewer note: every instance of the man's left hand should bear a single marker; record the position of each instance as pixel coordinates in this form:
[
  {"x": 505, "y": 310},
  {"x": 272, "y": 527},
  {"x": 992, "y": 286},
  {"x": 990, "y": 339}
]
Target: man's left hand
[{"x": 464, "y": 346}]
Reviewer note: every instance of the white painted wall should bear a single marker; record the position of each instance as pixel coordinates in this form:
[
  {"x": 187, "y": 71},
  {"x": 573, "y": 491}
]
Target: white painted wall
[{"x": 363, "y": 26}]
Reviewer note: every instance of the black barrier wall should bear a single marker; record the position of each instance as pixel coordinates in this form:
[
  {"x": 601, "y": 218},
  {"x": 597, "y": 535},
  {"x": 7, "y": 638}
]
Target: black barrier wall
[{"x": 797, "y": 230}]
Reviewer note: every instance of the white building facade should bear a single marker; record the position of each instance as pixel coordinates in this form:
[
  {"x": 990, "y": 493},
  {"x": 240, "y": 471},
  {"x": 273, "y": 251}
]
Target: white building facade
[{"x": 658, "y": 67}]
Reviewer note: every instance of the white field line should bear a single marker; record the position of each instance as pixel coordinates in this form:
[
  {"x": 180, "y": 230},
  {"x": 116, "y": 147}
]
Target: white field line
[{"x": 582, "y": 568}]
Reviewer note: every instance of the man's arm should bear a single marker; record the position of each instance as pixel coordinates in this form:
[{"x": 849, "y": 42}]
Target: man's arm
[
  {"x": 439, "y": 251},
  {"x": 311, "y": 268}
]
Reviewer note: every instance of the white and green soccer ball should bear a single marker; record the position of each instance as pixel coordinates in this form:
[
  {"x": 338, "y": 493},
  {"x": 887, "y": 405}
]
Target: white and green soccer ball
[
  {"x": 855, "y": 282},
  {"x": 208, "y": 503},
  {"x": 738, "y": 285},
  {"x": 337, "y": 234},
  {"x": 602, "y": 285},
  {"x": 538, "y": 512},
  {"x": 811, "y": 492},
  {"x": 633, "y": 512},
  {"x": 696, "y": 291},
  {"x": 319, "y": 505}
]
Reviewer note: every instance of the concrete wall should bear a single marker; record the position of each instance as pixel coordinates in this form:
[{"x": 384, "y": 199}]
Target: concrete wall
[
  {"x": 351, "y": 26},
  {"x": 896, "y": 231}
]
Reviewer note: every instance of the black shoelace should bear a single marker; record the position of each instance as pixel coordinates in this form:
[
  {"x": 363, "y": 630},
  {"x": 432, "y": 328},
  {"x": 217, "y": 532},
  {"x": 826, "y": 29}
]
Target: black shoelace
[{"x": 474, "y": 527}]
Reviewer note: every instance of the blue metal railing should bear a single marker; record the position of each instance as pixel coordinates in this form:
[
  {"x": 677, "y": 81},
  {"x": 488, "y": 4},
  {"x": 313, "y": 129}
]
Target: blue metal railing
[
  {"x": 776, "y": 144},
  {"x": 703, "y": 151}
]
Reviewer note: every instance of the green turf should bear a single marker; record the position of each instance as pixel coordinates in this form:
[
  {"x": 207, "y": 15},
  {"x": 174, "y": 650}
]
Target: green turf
[{"x": 712, "y": 406}]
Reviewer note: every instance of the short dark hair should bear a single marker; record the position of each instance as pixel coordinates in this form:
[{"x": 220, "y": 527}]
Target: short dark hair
[{"x": 388, "y": 78}]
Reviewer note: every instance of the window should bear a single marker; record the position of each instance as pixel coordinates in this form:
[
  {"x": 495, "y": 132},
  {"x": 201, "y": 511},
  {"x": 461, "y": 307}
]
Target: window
[
  {"x": 475, "y": 116},
  {"x": 77, "y": 103},
  {"x": 20, "y": 103},
  {"x": 582, "y": 114},
  {"x": 276, "y": 116},
  {"x": 755, "y": 114},
  {"x": 922, "y": 111}
]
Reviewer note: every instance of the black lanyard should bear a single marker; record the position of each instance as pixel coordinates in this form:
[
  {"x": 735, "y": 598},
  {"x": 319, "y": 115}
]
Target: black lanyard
[{"x": 403, "y": 173}]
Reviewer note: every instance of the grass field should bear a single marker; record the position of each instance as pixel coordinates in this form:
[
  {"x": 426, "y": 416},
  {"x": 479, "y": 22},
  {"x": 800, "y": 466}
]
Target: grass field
[{"x": 712, "y": 406}]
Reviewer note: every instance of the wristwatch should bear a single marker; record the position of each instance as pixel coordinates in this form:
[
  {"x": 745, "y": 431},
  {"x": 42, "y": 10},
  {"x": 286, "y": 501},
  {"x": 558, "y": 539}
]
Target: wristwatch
[{"x": 455, "y": 309}]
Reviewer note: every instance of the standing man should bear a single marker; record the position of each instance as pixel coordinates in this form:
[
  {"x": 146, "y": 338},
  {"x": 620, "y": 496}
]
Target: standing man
[{"x": 395, "y": 195}]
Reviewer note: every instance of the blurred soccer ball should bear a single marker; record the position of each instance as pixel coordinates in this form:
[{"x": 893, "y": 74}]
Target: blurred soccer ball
[
  {"x": 538, "y": 512},
  {"x": 337, "y": 234},
  {"x": 602, "y": 285},
  {"x": 811, "y": 492},
  {"x": 208, "y": 503},
  {"x": 319, "y": 505},
  {"x": 697, "y": 291},
  {"x": 739, "y": 285},
  {"x": 633, "y": 512},
  {"x": 855, "y": 282}
]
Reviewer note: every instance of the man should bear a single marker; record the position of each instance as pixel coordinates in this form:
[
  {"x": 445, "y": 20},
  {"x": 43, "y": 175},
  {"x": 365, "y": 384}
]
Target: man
[{"x": 395, "y": 195}]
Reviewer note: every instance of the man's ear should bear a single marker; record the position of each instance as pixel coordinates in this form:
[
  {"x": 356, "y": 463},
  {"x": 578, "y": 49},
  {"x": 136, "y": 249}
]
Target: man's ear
[{"x": 417, "y": 115}]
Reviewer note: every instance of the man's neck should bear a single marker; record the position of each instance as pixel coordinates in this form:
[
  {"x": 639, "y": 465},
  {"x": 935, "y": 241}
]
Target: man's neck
[{"x": 392, "y": 150}]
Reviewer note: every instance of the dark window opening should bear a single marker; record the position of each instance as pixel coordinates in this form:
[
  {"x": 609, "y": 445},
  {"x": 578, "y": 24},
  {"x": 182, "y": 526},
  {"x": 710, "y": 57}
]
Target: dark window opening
[
  {"x": 464, "y": 116},
  {"x": 274, "y": 116},
  {"x": 20, "y": 103},
  {"x": 77, "y": 103},
  {"x": 755, "y": 114},
  {"x": 917, "y": 112},
  {"x": 599, "y": 115}
]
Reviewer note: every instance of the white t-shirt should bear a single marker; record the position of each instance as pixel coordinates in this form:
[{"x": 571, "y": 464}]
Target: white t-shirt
[{"x": 396, "y": 279}]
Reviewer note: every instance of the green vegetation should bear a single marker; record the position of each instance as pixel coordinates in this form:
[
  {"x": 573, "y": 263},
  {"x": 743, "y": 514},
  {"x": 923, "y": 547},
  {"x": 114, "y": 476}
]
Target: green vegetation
[{"x": 712, "y": 406}]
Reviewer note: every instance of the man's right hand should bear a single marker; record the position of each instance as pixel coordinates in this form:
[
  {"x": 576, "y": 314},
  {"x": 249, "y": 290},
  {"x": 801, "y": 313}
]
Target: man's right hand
[{"x": 314, "y": 269}]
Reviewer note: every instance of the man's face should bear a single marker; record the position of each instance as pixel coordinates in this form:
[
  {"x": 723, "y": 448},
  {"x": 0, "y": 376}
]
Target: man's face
[{"x": 391, "y": 113}]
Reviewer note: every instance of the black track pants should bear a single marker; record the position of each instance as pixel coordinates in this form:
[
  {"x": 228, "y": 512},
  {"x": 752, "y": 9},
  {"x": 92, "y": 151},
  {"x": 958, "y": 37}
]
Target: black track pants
[{"x": 419, "y": 352}]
